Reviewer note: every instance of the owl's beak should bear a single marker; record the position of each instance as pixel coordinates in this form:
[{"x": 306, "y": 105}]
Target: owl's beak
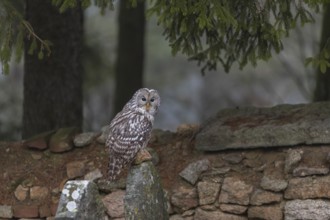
[{"x": 148, "y": 106}]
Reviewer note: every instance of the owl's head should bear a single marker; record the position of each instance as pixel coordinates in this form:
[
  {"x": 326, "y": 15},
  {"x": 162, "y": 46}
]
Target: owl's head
[{"x": 146, "y": 100}]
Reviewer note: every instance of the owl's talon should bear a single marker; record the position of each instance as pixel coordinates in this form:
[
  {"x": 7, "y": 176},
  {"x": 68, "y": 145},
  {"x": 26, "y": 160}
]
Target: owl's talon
[{"x": 142, "y": 155}]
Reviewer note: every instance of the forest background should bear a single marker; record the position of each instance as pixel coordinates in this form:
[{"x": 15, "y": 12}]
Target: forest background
[{"x": 188, "y": 96}]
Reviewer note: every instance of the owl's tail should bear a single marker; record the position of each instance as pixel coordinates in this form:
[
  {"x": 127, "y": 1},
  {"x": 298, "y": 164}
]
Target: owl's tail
[{"x": 115, "y": 167}]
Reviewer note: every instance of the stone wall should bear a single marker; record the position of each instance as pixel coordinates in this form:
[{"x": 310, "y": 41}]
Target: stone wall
[
  {"x": 254, "y": 171},
  {"x": 256, "y": 184},
  {"x": 270, "y": 181},
  {"x": 286, "y": 183}
]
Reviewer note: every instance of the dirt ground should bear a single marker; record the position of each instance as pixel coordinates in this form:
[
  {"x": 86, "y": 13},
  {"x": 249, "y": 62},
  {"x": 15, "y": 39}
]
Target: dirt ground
[{"x": 19, "y": 165}]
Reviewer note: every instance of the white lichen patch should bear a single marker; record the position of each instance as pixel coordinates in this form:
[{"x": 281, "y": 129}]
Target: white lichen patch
[
  {"x": 75, "y": 189},
  {"x": 75, "y": 194},
  {"x": 71, "y": 206},
  {"x": 66, "y": 192}
]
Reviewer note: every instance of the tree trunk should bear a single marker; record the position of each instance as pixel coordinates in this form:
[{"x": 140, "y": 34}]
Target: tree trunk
[
  {"x": 53, "y": 85},
  {"x": 130, "y": 55},
  {"x": 322, "y": 90}
]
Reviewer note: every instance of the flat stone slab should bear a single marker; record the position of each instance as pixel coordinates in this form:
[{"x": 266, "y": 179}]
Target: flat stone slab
[
  {"x": 308, "y": 188},
  {"x": 251, "y": 127},
  {"x": 307, "y": 209}
]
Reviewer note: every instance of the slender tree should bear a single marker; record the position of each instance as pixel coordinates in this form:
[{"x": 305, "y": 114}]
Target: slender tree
[
  {"x": 130, "y": 53},
  {"x": 53, "y": 85},
  {"x": 322, "y": 89}
]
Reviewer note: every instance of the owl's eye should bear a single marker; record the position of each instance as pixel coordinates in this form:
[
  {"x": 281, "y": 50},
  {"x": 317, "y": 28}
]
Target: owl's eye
[
  {"x": 152, "y": 100},
  {"x": 144, "y": 99}
]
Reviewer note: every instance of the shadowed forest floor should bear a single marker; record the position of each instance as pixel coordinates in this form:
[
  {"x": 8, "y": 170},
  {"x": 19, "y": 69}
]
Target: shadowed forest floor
[{"x": 22, "y": 166}]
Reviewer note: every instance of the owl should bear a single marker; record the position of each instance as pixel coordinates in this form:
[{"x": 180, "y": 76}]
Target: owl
[{"x": 130, "y": 129}]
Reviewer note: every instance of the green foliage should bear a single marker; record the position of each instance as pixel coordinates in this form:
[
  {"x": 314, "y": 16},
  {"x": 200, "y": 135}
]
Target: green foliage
[
  {"x": 13, "y": 30},
  {"x": 229, "y": 31},
  {"x": 210, "y": 32},
  {"x": 322, "y": 59},
  {"x": 63, "y": 5}
]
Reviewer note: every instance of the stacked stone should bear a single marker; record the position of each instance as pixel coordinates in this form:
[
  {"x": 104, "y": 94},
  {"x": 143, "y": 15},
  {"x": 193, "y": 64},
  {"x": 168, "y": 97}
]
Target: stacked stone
[
  {"x": 273, "y": 182},
  {"x": 33, "y": 196},
  {"x": 281, "y": 189},
  {"x": 292, "y": 184},
  {"x": 62, "y": 140}
]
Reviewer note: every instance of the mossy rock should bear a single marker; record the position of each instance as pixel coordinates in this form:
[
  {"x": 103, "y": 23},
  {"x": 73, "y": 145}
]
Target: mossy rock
[
  {"x": 39, "y": 141},
  {"x": 62, "y": 140},
  {"x": 144, "y": 197}
]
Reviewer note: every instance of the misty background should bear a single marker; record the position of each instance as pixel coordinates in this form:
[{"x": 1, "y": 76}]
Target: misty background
[{"x": 187, "y": 95}]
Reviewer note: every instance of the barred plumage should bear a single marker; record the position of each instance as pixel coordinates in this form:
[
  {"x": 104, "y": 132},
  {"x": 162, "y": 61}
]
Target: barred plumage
[{"x": 131, "y": 128}]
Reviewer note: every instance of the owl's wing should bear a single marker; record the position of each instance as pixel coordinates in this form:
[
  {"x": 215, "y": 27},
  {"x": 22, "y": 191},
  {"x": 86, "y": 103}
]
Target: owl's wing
[
  {"x": 129, "y": 132},
  {"x": 128, "y": 135}
]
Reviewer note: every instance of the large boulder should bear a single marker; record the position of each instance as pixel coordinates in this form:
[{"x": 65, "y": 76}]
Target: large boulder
[
  {"x": 250, "y": 127},
  {"x": 144, "y": 197}
]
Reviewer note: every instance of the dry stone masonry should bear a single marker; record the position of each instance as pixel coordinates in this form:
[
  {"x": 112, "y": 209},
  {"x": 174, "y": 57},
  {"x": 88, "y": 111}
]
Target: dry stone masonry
[
  {"x": 270, "y": 164},
  {"x": 260, "y": 190}
]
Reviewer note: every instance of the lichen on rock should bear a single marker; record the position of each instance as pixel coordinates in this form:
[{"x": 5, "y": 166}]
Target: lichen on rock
[
  {"x": 144, "y": 197},
  {"x": 80, "y": 200}
]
